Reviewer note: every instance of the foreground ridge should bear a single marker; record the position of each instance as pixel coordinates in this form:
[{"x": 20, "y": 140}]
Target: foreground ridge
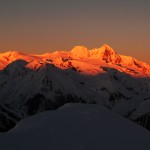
[{"x": 83, "y": 127}]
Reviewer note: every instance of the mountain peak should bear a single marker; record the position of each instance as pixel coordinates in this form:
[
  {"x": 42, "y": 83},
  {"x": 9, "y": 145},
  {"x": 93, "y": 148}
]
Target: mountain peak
[
  {"x": 80, "y": 51},
  {"x": 107, "y": 48},
  {"x": 107, "y": 54}
]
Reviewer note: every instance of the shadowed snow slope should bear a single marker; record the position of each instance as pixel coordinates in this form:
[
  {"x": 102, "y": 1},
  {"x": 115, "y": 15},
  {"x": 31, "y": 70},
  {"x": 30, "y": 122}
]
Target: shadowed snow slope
[{"x": 76, "y": 127}]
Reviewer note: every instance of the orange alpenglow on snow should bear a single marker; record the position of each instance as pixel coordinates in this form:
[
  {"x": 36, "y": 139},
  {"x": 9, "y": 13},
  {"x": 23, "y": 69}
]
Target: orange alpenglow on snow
[{"x": 88, "y": 62}]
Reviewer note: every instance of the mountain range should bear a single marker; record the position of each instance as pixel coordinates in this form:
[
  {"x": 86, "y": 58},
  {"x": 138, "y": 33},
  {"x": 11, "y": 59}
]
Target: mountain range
[{"x": 31, "y": 83}]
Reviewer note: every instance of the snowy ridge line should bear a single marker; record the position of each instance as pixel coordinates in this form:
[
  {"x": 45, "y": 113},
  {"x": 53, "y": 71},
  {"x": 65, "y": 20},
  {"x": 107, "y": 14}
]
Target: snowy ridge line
[{"x": 104, "y": 55}]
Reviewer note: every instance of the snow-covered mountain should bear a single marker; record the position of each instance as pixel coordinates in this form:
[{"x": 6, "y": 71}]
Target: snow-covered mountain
[
  {"x": 30, "y": 84},
  {"x": 76, "y": 127}
]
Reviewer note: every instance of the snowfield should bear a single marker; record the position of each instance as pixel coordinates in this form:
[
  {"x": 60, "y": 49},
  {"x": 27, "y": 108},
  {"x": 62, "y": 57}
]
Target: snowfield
[{"x": 76, "y": 127}]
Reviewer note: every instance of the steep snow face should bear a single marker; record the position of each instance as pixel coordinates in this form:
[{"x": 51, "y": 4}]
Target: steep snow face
[
  {"x": 76, "y": 127},
  {"x": 34, "y": 83}
]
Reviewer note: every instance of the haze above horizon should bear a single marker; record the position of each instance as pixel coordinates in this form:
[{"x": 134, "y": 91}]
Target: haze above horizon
[{"x": 40, "y": 26}]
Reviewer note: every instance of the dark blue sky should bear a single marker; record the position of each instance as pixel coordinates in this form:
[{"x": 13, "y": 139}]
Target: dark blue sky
[{"x": 38, "y": 26}]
